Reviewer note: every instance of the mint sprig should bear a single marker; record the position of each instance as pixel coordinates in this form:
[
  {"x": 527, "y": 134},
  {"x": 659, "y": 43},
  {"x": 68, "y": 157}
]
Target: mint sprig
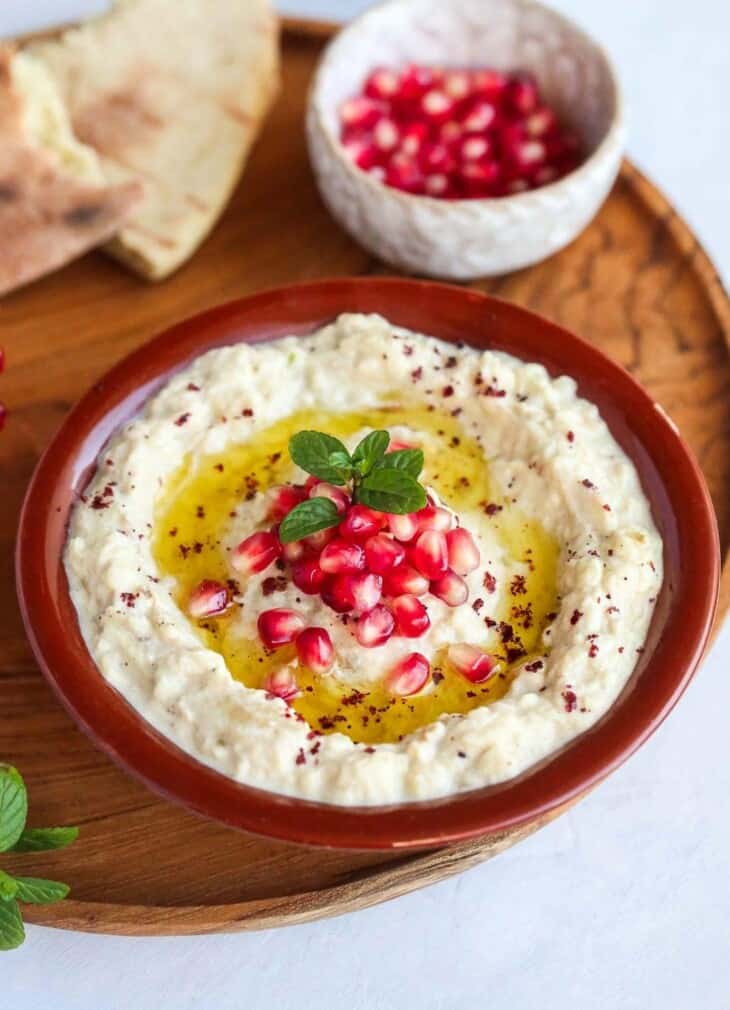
[
  {"x": 385, "y": 482},
  {"x": 15, "y": 837}
]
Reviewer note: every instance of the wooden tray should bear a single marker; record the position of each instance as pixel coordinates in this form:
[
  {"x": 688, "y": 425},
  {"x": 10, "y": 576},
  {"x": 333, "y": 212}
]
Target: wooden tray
[{"x": 636, "y": 283}]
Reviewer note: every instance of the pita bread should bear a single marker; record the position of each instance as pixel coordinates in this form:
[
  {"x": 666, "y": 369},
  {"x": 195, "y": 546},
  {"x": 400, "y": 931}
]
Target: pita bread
[
  {"x": 54, "y": 205},
  {"x": 173, "y": 93}
]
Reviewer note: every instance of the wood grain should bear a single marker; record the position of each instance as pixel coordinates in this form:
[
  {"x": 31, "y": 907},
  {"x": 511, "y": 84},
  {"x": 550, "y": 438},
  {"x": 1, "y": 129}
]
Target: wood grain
[{"x": 636, "y": 283}]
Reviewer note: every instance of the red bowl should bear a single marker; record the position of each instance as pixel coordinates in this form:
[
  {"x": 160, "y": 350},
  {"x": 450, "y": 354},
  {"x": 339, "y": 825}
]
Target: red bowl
[{"x": 670, "y": 476}]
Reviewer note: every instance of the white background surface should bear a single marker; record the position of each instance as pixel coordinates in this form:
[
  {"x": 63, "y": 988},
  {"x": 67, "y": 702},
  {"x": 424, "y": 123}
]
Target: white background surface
[{"x": 624, "y": 902}]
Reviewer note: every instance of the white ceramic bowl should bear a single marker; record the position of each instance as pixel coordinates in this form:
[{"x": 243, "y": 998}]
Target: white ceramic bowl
[{"x": 462, "y": 239}]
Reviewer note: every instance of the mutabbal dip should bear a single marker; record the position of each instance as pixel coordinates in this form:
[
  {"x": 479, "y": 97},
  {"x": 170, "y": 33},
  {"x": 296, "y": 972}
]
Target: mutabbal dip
[{"x": 365, "y": 566}]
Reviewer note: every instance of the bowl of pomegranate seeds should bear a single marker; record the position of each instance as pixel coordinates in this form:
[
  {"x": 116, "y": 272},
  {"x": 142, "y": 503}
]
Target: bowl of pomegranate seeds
[{"x": 464, "y": 141}]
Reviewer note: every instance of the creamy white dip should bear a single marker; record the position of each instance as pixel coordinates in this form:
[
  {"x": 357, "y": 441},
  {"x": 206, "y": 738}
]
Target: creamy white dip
[{"x": 547, "y": 449}]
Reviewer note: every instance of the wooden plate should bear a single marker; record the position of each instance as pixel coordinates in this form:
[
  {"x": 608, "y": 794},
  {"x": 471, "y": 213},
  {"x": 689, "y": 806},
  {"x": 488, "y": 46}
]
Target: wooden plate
[{"x": 636, "y": 283}]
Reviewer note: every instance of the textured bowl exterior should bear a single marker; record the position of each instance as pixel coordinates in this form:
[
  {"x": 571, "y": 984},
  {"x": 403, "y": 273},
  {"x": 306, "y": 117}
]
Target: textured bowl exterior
[
  {"x": 671, "y": 479},
  {"x": 462, "y": 239}
]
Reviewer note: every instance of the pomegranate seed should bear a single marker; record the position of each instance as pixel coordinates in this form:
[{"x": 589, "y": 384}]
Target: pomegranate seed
[
  {"x": 436, "y": 185},
  {"x": 517, "y": 186},
  {"x": 462, "y": 551},
  {"x": 377, "y": 172},
  {"x": 438, "y": 159},
  {"x": 529, "y": 153},
  {"x": 386, "y": 135},
  {"x": 475, "y": 148},
  {"x": 361, "y": 522},
  {"x": 208, "y": 599},
  {"x": 489, "y": 83},
  {"x": 317, "y": 541},
  {"x": 383, "y": 553},
  {"x": 451, "y": 589},
  {"x": 282, "y": 684},
  {"x": 471, "y": 662},
  {"x": 404, "y": 173},
  {"x": 293, "y": 551},
  {"x": 457, "y": 84},
  {"x": 3, "y": 415},
  {"x": 411, "y": 616},
  {"x": 361, "y": 153},
  {"x": 451, "y": 132},
  {"x": 404, "y": 579},
  {"x": 335, "y": 494},
  {"x": 364, "y": 589},
  {"x": 481, "y": 116},
  {"x": 415, "y": 82},
  {"x": 433, "y": 517},
  {"x": 397, "y": 446},
  {"x": 437, "y": 106},
  {"x": 315, "y": 650},
  {"x": 308, "y": 576},
  {"x": 256, "y": 553},
  {"x": 375, "y": 628},
  {"x": 279, "y": 626},
  {"x": 429, "y": 554},
  {"x": 413, "y": 139},
  {"x": 408, "y": 676},
  {"x": 403, "y": 527},
  {"x": 382, "y": 83},
  {"x": 541, "y": 122},
  {"x": 479, "y": 178},
  {"x": 284, "y": 498},
  {"x": 337, "y": 595},
  {"x": 521, "y": 94},
  {"x": 361, "y": 112},
  {"x": 342, "y": 556},
  {"x": 546, "y": 174}
]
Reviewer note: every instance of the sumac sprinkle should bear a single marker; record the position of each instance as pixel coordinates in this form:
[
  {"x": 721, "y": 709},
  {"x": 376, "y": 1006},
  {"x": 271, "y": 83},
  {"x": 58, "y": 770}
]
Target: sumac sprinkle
[
  {"x": 183, "y": 419},
  {"x": 570, "y": 700},
  {"x": 576, "y": 616}
]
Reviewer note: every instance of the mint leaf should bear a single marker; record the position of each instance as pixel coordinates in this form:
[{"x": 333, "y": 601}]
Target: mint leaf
[
  {"x": 370, "y": 450},
  {"x": 13, "y": 806},
  {"x": 8, "y": 886},
  {"x": 309, "y": 517},
  {"x": 36, "y": 891},
  {"x": 408, "y": 460},
  {"x": 391, "y": 491},
  {"x": 12, "y": 933},
  {"x": 341, "y": 460},
  {"x": 41, "y": 839},
  {"x": 311, "y": 450}
]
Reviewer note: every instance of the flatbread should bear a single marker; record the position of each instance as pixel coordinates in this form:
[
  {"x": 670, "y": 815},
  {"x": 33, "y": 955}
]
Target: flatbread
[
  {"x": 172, "y": 92},
  {"x": 54, "y": 204}
]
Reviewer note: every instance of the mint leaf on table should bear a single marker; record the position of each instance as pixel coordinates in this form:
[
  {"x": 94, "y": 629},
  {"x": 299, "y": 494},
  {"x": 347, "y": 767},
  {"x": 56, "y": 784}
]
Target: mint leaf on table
[
  {"x": 309, "y": 517},
  {"x": 394, "y": 491},
  {"x": 36, "y": 891},
  {"x": 42, "y": 839},
  {"x": 408, "y": 460},
  {"x": 15, "y": 837},
  {"x": 370, "y": 451},
  {"x": 12, "y": 933},
  {"x": 13, "y": 806},
  {"x": 313, "y": 451}
]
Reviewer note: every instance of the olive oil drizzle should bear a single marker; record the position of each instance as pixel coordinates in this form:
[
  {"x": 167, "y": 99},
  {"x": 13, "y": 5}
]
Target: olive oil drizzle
[{"x": 202, "y": 498}]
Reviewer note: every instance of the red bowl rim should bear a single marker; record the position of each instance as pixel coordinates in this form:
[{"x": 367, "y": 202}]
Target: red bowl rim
[{"x": 669, "y": 473}]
